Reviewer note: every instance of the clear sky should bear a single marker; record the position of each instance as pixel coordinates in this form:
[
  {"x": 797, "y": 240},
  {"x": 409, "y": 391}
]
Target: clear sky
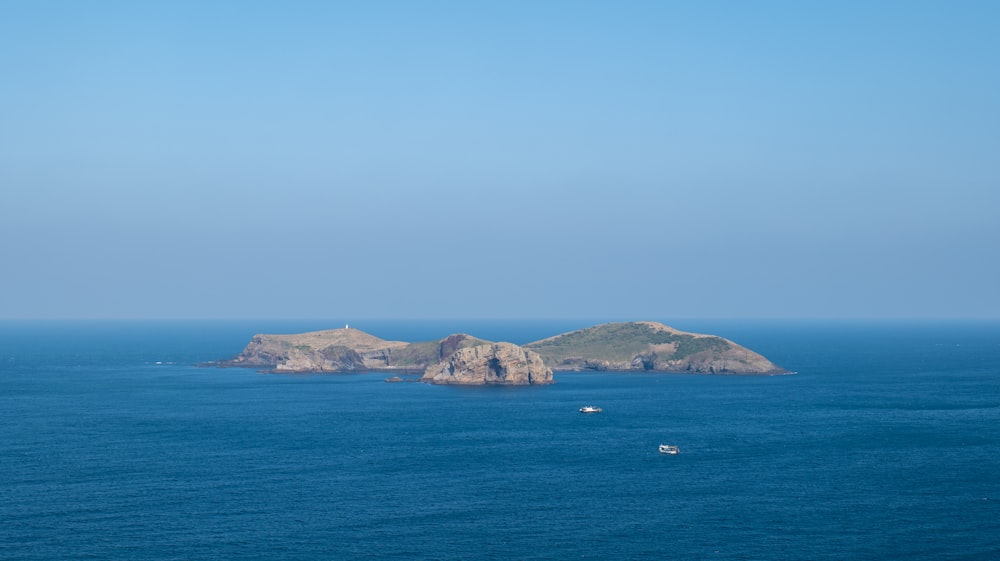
[{"x": 634, "y": 160}]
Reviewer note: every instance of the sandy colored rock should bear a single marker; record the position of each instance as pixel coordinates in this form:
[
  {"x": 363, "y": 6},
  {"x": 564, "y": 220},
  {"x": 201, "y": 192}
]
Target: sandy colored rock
[{"x": 496, "y": 363}]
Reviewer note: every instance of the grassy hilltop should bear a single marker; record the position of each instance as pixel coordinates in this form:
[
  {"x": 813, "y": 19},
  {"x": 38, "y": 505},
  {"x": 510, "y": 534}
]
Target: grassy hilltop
[
  {"x": 649, "y": 346},
  {"x": 619, "y": 342}
]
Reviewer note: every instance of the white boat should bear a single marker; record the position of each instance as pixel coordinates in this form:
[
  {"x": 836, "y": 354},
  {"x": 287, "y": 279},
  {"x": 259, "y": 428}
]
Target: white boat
[
  {"x": 590, "y": 409},
  {"x": 668, "y": 449}
]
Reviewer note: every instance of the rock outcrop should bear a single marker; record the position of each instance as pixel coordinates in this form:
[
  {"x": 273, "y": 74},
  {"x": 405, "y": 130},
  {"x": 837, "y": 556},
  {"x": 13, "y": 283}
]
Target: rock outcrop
[{"x": 496, "y": 363}]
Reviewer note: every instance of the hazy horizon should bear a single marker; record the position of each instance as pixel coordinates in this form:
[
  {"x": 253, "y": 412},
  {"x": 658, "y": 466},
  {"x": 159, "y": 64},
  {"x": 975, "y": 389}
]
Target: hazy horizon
[
  {"x": 358, "y": 322},
  {"x": 559, "y": 160}
]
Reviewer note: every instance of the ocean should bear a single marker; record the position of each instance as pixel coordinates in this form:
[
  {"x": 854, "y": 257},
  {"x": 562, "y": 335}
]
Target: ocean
[{"x": 115, "y": 445}]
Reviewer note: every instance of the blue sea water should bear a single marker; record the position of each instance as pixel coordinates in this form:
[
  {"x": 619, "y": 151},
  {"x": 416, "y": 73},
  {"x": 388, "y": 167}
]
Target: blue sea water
[{"x": 114, "y": 445}]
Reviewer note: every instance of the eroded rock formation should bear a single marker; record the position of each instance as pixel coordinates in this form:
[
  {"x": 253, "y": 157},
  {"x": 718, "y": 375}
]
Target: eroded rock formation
[{"x": 495, "y": 363}]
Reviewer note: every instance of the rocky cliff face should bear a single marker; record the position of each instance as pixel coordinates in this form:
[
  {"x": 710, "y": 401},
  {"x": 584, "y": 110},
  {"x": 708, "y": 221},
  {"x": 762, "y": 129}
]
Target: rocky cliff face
[
  {"x": 335, "y": 358},
  {"x": 261, "y": 351},
  {"x": 733, "y": 360},
  {"x": 496, "y": 363}
]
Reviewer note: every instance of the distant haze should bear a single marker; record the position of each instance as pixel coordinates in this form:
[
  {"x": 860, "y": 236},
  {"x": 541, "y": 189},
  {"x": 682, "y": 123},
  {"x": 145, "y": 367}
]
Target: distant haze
[{"x": 635, "y": 160}]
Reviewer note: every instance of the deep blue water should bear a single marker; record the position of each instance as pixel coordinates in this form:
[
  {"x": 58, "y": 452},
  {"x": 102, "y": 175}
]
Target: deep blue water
[{"x": 885, "y": 445}]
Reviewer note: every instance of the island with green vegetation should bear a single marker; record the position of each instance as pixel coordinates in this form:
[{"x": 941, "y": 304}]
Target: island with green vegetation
[
  {"x": 463, "y": 359},
  {"x": 649, "y": 346}
]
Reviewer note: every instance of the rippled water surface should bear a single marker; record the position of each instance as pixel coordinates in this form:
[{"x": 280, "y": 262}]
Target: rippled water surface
[{"x": 114, "y": 445}]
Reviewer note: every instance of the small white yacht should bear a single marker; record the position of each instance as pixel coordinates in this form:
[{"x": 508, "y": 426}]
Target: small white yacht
[
  {"x": 590, "y": 409},
  {"x": 668, "y": 449}
]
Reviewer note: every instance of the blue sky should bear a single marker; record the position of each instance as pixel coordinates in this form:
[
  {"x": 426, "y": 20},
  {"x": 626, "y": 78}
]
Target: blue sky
[{"x": 499, "y": 160}]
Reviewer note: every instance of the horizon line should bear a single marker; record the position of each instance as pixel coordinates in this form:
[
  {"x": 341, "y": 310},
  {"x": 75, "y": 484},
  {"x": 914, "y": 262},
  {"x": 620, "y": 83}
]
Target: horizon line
[{"x": 606, "y": 319}]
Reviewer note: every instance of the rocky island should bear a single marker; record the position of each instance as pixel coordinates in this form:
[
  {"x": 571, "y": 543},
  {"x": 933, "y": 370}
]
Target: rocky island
[
  {"x": 649, "y": 346},
  {"x": 464, "y": 359}
]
